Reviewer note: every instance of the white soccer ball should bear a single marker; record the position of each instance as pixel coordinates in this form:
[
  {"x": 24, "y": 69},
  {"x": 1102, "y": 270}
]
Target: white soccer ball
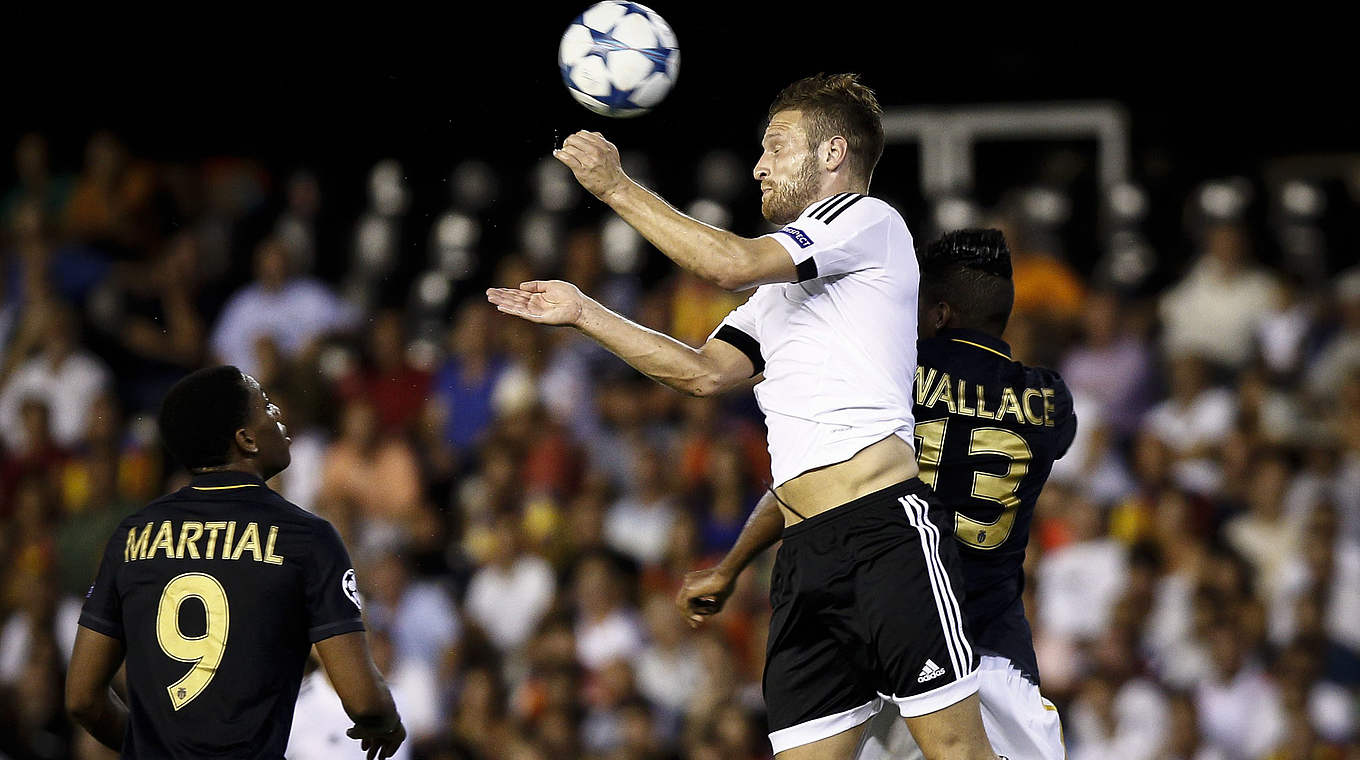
[{"x": 619, "y": 59}]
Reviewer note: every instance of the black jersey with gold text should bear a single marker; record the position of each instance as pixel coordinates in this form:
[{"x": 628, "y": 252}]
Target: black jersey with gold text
[
  {"x": 218, "y": 592},
  {"x": 988, "y": 430}
]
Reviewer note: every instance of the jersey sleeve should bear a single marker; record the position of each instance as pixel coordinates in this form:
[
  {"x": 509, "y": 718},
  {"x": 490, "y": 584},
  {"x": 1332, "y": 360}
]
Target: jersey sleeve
[
  {"x": 741, "y": 329},
  {"x": 842, "y": 234},
  {"x": 1067, "y": 418},
  {"x": 333, "y": 602},
  {"x": 103, "y": 609}
]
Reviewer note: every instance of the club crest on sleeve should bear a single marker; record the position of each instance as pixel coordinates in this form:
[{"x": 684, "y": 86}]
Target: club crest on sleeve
[
  {"x": 350, "y": 585},
  {"x": 90, "y": 593},
  {"x": 798, "y": 236}
]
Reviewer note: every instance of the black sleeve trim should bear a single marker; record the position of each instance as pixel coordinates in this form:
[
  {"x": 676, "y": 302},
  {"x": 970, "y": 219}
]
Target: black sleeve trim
[
  {"x": 100, "y": 625},
  {"x": 317, "y": 633},
  {"x": 807, "y": 270},
  {"x": 745, "y": 344}
]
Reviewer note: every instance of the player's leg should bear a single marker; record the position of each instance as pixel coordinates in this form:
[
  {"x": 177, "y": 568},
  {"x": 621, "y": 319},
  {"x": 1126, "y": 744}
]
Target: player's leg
[
  {"x": 953, "y": 732},
  {"x": 818, "y": 693},
  {"x": 909, "y": 595},
  {"x": 1019, "y": 722},
  {"x": 838, "y": 747}
]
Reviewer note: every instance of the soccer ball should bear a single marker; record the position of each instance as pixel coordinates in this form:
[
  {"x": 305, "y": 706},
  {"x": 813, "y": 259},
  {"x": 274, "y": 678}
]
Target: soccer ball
[{"x": 619, "y": 59}]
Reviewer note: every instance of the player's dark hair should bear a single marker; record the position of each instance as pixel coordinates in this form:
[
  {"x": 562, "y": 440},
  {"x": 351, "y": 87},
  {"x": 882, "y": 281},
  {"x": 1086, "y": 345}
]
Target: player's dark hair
[
  {"x": 201, "y": 414},
  {"x": 971, "y": 271},
  {"x": 838, "y": 104}
]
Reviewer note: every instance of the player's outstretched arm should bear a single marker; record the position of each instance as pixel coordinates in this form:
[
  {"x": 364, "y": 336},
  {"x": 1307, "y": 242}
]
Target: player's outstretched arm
[
  {"x": 704, "y": 371},
  {"x": 94, "y": 661},
  {"x": 704, "y": 592},
  {"x": 730, "y": 261},
  {"x": 363, "y": 693}
]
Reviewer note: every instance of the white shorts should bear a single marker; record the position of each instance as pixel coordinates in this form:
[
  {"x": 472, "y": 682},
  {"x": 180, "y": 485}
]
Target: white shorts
[{"x": 1020, "y": 723}]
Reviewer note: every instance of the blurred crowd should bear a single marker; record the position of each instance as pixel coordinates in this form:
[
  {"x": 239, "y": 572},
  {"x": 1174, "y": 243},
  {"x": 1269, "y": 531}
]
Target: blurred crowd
[{"x": 521, "y": 506}]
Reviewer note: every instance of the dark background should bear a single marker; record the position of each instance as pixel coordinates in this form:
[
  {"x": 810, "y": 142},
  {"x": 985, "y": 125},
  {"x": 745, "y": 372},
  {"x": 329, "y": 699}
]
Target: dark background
[{"x": 337, "y": 94}]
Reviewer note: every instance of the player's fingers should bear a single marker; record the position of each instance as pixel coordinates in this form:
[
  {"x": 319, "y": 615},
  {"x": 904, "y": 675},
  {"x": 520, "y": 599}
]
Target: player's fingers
[
  {"x": 534, "y": 286},
  {"x": 571, "y": 162},
  {"x": 577, "y": 142},
  {"x": 582, "y": 154}
]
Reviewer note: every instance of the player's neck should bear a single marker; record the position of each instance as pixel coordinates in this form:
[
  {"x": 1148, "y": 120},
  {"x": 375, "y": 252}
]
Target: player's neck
[{"x": 245, "y": 466}]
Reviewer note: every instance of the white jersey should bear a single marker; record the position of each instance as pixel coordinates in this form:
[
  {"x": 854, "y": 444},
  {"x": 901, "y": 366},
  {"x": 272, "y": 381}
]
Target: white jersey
[{"x": 838, "y": 347}]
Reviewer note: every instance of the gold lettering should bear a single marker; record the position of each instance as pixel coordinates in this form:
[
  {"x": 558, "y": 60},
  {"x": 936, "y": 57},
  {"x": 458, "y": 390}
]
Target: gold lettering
[
  {"x": 963, "y": 400},
  {"x": 982, "y": 402},
  {"x": 1033, "y": 418},
  {"x": 250, "y": 541},
  {"x": 213, "y": 527},
  {"x": 923, "y": 382},
  {"x": 1048, "y": 407},
  {"x": 189, "y": 533},
  {"x": 269, "y": 555},
  {"x": 1010, "y": 404},
  {"x": 943, "y": 391},
  {"x": 226, "y": 540},
  {"x": 165, "y": 538},
  {"x": 136, "y": 547}
]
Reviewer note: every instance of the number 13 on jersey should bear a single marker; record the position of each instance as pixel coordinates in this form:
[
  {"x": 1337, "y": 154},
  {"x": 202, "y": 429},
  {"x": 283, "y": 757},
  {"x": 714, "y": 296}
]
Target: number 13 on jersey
[
  {"x": 1001, "y": 489},
  {"x": 205, "y": 651}
]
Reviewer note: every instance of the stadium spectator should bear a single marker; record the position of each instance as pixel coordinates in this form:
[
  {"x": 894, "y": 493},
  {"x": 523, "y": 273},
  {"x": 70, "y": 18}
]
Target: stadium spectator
[
  {"x": 462, "y": 387},
  {"x": 386, "y": 378},
  {"x": 1193, "y": 421},
  {"x": 1340, "y": 354},
  {"x": 512, "y": 591},
  {"x": 607, "y": 627},
  {"x": 370, "y": 480},
  {"x": 1216, "y": 308},
  {"x": 37, "y": 184},
  {"x": 64, "y": 376},
  {"x": 421, "y": 618},
  {"x": 291, "y": 310},
  {"x": 639, "y": 522},
  {"x": 111, "y": 201}
]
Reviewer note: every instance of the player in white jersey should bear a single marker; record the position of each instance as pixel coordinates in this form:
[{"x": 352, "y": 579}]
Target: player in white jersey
[{"x": 866, "y": 592}]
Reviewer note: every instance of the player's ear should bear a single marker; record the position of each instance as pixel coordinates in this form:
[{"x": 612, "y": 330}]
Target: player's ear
[
  {"x": 245, "y": 441},
  {"x": 835, "y": 152}
]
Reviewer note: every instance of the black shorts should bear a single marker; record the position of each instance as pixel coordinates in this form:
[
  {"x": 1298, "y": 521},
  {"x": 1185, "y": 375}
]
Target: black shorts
[{"x": 866, "y": 604}]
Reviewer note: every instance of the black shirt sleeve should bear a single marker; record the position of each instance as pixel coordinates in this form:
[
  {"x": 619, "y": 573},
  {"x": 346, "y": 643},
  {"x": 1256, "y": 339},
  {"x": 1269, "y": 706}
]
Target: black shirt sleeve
[
  {"x": 1067, "y": 419},
  {"x": 333, "y": 601},
  {"x": 103, "y": 610}
]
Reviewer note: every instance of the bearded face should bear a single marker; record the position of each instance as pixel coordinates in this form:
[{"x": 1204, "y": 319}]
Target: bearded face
[{"x": 788, "y": 196}]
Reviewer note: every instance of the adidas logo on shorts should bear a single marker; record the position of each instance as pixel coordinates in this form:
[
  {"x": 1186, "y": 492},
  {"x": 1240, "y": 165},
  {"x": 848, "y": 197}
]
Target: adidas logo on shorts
[{"x": 929, "y": 671}]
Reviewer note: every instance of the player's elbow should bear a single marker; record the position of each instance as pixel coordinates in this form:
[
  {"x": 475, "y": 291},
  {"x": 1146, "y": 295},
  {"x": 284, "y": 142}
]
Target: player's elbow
[
  {"x": 706, "y": 384},
  {"x": 736, "y": 275},
  {"x": 81, "y": 704}
]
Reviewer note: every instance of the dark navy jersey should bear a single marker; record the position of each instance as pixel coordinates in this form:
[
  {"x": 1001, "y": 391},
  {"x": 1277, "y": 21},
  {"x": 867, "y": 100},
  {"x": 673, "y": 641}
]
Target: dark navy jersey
[
  {"x": 988, "y": 430},
  {"x": 218, "y": 592}
]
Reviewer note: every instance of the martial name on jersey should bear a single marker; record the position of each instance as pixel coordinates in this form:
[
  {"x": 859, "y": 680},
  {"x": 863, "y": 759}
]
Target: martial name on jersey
[{"x": 199, "y": 540}]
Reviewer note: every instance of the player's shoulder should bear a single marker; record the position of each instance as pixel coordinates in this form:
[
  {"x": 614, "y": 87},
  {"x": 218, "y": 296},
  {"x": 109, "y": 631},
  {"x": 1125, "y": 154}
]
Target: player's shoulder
[{"x": 849, "y": 211}]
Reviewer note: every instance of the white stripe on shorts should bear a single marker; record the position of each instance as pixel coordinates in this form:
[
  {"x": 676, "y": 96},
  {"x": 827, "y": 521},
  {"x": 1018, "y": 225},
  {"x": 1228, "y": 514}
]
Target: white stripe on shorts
[{"x": 946, "y": 605}]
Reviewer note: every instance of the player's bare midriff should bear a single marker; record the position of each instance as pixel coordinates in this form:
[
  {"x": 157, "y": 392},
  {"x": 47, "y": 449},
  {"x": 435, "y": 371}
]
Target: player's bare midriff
[{"x": 874, "y": 468}]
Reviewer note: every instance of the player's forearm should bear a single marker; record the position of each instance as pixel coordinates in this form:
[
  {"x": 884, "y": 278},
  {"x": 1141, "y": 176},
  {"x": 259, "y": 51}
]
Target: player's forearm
[
  {"x": 715, "y": 255},
  {"x": 105, "y": 719},
  {"x": 762, "y": 529},
  {"x": 654, "y": 354}
]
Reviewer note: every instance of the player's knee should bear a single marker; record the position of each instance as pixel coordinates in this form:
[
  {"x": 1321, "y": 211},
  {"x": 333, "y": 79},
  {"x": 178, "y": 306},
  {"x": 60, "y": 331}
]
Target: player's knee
[{"x": 957, "y": 745}]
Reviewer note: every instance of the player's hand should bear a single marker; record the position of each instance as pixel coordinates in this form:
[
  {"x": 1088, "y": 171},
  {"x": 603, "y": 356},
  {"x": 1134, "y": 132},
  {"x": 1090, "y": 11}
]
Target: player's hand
[
  {"x": 378, "y": 745},
  {"x": 595, "y": 162},
  {"x": 547, "y": 302},
  {"x": 703, "y": 593}
]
